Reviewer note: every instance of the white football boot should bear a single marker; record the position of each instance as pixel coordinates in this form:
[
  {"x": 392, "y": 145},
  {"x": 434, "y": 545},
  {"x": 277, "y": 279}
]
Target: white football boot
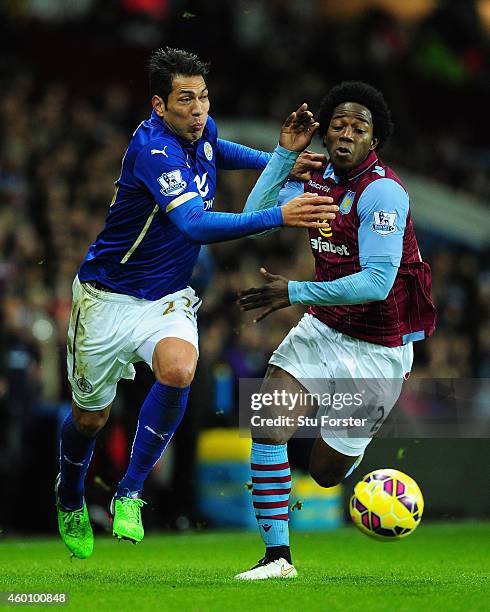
[{"x": 278, "y": 568}]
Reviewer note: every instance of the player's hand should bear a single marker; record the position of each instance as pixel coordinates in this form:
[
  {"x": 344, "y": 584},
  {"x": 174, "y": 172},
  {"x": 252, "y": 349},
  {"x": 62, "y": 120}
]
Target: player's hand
[
  {"x": 298, "y": 129},
  {"x": 307, "y": 163},
  {"x": 272, "y": 296},
  {"x": 309, "y": 210}
]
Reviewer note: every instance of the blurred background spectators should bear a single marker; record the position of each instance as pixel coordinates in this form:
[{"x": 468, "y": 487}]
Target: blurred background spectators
[{"x": 73, "y": 90}]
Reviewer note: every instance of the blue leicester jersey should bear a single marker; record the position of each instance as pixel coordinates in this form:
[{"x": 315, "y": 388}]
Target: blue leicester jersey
[{"x": 141, "y": 252}]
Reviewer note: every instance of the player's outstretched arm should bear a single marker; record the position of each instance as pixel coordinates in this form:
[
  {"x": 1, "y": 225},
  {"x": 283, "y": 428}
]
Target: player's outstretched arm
[
  {"x": 234, "y": 156},
  {"x": 204, "y": 227},
  {"x": 265, "y": 192},
  {"x": 296, "y": 134},
  {"x": 380, "y": 253},
  {"x": 171, "y": 182},
  {"x": 372, "y": 284}
]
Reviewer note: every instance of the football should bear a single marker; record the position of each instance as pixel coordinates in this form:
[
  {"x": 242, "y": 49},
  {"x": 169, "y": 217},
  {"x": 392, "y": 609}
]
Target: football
[{"x": 387, "y": 505}]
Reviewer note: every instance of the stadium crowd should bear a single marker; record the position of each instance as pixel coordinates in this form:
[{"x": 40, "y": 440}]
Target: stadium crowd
[{"x": 63, "y": 133}]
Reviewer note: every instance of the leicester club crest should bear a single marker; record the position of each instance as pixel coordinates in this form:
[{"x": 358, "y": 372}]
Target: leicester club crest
[
  {"x": 208, "y": 151},
  {"x": 346, "y": 204}
]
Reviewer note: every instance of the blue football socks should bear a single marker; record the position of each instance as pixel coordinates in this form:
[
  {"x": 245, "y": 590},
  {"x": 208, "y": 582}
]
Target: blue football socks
[
  {"x": 271, "y": 480},
  {"x": 160, "y": 416},
  {"x": 75, "y": 454}
]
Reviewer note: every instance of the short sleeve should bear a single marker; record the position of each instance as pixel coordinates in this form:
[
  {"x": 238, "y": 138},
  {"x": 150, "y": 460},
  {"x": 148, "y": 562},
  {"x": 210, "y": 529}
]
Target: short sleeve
[
  {"x": 163, "y": 169},
  {"x": 382, "y": 209}
]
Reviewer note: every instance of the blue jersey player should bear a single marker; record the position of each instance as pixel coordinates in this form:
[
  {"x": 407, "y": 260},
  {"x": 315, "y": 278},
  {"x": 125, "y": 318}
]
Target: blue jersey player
[{"x": 131, "y": 299}]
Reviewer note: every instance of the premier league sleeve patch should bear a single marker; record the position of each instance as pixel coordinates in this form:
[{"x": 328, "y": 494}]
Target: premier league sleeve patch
[
  {"x": 172, "y": 183},
  {"x": 384, "y": 222}
]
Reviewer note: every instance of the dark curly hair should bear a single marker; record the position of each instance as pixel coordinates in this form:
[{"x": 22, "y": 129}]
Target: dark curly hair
[
  {"x": 362, "y": 93},
  {"x": 165, "y": 63}
]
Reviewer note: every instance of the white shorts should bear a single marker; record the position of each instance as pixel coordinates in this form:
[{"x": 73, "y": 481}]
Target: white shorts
[
  {"x": 109, "y": 332},
  {"x": 319, "y": 357}
]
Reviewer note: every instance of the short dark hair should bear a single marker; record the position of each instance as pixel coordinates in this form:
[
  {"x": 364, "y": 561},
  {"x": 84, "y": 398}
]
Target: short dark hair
[
  {"x": 362, "y": 93},
  {"x": 165, "y": 63}
]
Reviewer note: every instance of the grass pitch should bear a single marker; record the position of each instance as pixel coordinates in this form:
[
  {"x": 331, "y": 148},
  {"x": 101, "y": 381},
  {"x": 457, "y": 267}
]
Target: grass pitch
[{"x": 440, "y": 567}]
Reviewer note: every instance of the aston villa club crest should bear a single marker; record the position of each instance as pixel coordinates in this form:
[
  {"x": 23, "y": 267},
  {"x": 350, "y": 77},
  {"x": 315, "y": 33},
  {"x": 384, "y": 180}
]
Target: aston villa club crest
[{"x": 347, "y": 201}]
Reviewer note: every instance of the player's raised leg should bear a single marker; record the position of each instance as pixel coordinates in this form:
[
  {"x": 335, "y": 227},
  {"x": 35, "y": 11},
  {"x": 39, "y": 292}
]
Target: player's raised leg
[
  {"x": 377, "y": 374},
  {"x": 328, "y": 466},
  {"x": 78, "y": 435},
  {"x": 174, "y": 363}
]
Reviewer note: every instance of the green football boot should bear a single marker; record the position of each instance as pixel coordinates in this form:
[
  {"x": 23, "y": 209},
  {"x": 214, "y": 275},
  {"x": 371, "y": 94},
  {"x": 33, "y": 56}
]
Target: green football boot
[
  {"x": 75, "y": 528},
  {"x": 127, "y": 523}
]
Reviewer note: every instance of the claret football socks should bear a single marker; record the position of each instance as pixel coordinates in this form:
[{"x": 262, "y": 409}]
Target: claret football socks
[
  {"x": 271, "y": 479},
  {"x": 271, "y": 486}
]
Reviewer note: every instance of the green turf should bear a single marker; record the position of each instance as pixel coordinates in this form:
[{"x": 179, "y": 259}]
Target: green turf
[{"x": 440, "y": 567}]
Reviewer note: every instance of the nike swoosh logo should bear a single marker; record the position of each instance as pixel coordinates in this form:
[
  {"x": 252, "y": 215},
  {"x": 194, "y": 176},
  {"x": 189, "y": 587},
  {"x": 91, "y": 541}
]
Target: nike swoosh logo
[
  {"x": 161, "y": 151},
  {"x": 286, "y": 572}
]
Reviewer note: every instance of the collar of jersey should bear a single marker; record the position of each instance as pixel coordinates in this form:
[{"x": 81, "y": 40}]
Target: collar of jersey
[
  {"x": 185, "y": 144},
  {"x": 356, "y": 172}
]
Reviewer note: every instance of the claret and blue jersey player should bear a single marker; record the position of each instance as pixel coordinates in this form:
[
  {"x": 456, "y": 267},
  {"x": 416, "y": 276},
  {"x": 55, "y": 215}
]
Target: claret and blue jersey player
[
  {"x": 131, "y": 299},
  {"x": 370, "y": 300}
]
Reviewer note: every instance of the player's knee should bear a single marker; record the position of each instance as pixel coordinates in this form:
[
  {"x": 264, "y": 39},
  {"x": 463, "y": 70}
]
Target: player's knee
[
  {"x": 175, "y": 375},
  {"x": 90, "y": 423},
  {"x": 326, "y": 477}
]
